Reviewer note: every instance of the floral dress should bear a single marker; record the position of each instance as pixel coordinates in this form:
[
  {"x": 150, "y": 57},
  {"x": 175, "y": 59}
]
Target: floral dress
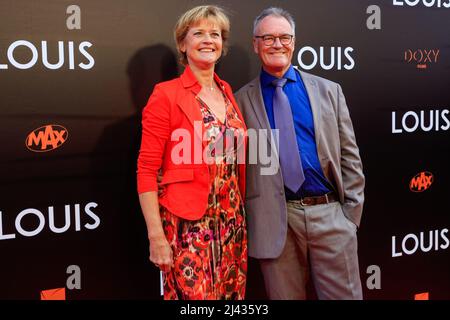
[{"x": 210, "y": 254}]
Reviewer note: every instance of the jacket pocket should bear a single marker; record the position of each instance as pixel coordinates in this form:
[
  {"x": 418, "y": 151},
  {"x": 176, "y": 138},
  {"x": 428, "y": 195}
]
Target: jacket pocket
[{"x": 177, "y": 175}]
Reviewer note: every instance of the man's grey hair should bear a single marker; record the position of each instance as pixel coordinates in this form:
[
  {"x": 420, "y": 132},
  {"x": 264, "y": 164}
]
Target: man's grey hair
[{"x": 277, "y": 12}]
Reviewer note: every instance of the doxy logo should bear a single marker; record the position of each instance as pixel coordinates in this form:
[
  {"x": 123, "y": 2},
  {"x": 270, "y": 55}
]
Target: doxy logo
[
  {"x": 421, "y": 181},
  {"x": 46, "y": 138},
  {"x": 422, "y": 57}
]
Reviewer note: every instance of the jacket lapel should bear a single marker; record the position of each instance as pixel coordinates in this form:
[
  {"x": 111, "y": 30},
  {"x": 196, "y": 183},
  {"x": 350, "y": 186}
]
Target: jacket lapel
[
  {"x": 257, "y": 103},
  {"x": 189, "y": 105},
  {"x": 311, "y": 89}
]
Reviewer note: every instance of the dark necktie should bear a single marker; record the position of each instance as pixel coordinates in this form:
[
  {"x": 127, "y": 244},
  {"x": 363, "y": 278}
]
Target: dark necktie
[{"x": 290, "y": 161}]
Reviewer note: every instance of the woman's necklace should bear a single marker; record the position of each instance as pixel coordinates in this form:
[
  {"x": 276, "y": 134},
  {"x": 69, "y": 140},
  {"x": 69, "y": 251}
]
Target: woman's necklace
[{"x": 210, "y": 88}]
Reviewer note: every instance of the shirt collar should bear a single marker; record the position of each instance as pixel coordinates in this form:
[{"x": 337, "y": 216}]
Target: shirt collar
[{"x": 266, "y": 78}]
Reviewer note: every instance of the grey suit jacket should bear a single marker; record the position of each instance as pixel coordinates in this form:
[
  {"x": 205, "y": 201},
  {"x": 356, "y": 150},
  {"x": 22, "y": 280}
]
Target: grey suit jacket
[{"x": 338, "y": 153}]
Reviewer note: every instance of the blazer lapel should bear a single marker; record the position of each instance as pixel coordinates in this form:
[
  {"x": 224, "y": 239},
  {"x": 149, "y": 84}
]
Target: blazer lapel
[
  {"x": 188, "y": 104},
  {"x": 257, "y": 103},
  {"x": 311, "y": 89}
]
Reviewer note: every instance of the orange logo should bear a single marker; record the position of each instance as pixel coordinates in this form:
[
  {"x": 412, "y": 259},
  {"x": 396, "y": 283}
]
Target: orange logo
[
  {"x": 421, "y": 181},
  {"x": 421, "y": 296},
  {"x": 46, "y": 138},
  {"x": 54, "y": 294}
]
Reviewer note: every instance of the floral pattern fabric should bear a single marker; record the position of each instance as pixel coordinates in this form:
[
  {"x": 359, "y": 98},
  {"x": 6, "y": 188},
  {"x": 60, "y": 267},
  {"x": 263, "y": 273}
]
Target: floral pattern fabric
[{"x": 210, "y": 254}]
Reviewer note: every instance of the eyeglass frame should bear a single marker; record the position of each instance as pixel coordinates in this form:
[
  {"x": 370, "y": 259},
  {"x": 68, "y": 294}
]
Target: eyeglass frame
[{"x": 275, "y": 39}]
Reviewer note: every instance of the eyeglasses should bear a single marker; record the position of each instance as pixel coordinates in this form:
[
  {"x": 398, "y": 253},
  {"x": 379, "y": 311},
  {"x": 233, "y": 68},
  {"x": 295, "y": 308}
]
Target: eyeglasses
[{"x": 269, "y": 40}]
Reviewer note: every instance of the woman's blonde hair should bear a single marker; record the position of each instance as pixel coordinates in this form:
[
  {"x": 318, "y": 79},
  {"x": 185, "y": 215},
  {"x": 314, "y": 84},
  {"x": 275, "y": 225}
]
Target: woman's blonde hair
[{"x": 191, "y": 17}]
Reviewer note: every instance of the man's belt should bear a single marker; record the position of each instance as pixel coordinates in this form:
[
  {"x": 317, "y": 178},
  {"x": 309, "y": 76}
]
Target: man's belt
[{"x": 312, "y": 201}]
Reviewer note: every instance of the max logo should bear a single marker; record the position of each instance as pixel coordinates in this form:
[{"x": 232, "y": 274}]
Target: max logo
[
  {"x": 421, "y": 181},
  {"x": 46, "y": 138}
]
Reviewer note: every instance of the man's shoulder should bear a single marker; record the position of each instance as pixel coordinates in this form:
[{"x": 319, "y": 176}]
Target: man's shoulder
[
  {"x": 247, "y": 87},
  {"x": 320, "y": 80}
]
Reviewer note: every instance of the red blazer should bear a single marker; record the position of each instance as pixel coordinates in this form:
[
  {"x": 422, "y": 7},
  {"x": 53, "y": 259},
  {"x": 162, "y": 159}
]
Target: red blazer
[{"x": 171, "y": 106}]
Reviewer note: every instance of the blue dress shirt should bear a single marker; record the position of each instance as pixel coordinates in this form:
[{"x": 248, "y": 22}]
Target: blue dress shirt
[{"x": 315, "y": 182}]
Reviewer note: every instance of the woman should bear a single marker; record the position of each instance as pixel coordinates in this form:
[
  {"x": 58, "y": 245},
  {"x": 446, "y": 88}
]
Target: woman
[{"x": 196, "y": 226}]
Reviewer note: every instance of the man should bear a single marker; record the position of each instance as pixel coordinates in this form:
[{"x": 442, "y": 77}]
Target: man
[{"x": 303, "y": 219}]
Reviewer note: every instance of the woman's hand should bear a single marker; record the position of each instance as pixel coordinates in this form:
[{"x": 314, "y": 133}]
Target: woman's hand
[{"x": 161, "y": 253}]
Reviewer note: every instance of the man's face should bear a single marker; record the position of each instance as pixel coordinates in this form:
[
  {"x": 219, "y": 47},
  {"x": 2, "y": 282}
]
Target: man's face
[{"x": 275, "y": 58}]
